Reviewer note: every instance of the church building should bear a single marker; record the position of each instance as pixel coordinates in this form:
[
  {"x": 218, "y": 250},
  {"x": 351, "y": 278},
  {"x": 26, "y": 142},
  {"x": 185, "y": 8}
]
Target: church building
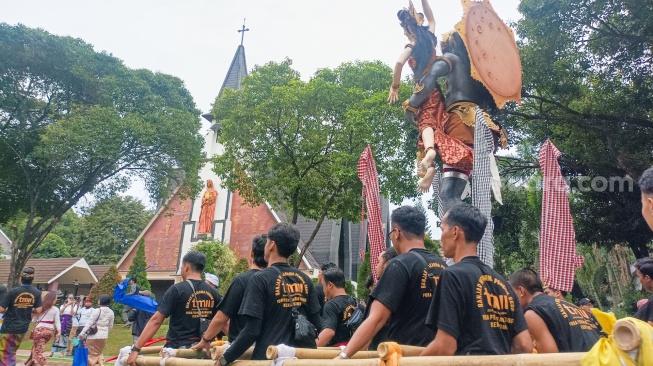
[{"x": 175, "y": 228}]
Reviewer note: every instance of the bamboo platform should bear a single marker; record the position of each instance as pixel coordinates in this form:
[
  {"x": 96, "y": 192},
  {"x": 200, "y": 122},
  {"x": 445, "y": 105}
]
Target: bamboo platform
[{"x": 625, "y": 333}]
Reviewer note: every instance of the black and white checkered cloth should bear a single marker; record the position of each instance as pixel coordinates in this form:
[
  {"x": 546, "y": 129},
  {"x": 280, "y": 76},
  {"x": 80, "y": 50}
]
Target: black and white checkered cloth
[
  {"x": 436, "y": 194},
  {"x": 482, "y": 185}
]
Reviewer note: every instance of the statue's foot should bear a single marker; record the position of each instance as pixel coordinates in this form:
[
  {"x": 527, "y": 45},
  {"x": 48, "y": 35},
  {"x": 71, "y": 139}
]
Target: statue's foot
[
  {"x": 428, "y": 160},
  {"x": 426, "y": 182}
]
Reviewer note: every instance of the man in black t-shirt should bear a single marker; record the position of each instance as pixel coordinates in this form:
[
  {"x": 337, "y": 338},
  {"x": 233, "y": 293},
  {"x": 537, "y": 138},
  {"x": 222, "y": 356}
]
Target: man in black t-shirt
[
  {"x": 267, "y": 305},
  {"x": 404, "y": 292},
  {"x": 182, "y": 305},
  {"x": 319, "y": 290},
  {"x": 337, "y": 310},
  {"x": 474, "y": 310},
  {"x": 230, "y": 304},
  {"x": 644, "y": 270},
  {"x": 555, "y": 325},
  {"x": 17, "y": 305}
]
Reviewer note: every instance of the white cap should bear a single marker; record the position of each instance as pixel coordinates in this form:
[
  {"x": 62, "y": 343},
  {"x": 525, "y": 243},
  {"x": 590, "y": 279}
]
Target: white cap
[{"x": 210, "y": 277}]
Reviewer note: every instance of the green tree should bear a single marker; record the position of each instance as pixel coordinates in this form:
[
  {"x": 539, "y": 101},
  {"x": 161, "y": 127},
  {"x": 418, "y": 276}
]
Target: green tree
[
  {"x": 588, "y": 86},
  {"x": 74, "y": 121},
  {"x": 364, "y": 271},
  {"x": 109, "y": 229},
  {"x": 296, "y": 144},
  {"x": 138, "y": 267},
  {"x": 220, "y": 260},
  {"x": 517, "y": 228},
  {"x": 106, "y": 285},
  {"x": 53, "y": 246},
  {"x": 431, "y": 245}
]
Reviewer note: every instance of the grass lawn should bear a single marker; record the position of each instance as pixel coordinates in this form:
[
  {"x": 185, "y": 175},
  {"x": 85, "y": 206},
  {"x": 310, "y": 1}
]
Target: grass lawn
[{"x": 118, "y": 338}]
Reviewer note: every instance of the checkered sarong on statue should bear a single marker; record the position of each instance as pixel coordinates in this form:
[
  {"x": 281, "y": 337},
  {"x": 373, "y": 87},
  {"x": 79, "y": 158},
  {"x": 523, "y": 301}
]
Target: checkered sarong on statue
[
  {"x": 558, "y": 260},
  {"x": 371, "y": 198},
  {"x": 482, "y": 184}
]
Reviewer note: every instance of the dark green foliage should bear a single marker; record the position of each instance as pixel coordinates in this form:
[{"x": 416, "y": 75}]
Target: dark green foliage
[
  {"x": 516, "y": 231},
  {"x": 364, "y": 270},
  {"x": 350, "y": 289},
  {"x": 588, "y": 86},
  {"x": 220, "y": 260},
  {"x": 106, "y": 285},
  {"x": 53, "y": 246},
  {"x": 302, "y": 142},
  {"x": 431, "y": 245},
  {"x": 138, "y": 265},
  {"x": 109, "y": 228},
  {"x": 74, "y": 121}
]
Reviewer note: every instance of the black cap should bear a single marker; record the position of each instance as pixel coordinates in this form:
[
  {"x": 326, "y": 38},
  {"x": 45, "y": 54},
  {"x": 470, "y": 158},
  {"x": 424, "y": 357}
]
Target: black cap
[{"x": 585, "y": 301}]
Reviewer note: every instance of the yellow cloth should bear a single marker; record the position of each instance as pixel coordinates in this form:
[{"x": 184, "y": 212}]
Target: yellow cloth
[
  {"x": 606, "y": 320},
  {"x": 606, "y": 352}
]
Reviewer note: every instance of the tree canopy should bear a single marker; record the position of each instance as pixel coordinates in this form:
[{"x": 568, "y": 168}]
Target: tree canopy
[
  {"x": 296, "y": 144},
  {"x": 109, "y": 228},
  {"x": 74, "y": 121},
  {"x": 588, "y": 86}
]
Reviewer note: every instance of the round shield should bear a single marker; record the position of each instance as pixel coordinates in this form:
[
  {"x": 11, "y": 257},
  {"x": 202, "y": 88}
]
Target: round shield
[{"x": 492, "y": 51}]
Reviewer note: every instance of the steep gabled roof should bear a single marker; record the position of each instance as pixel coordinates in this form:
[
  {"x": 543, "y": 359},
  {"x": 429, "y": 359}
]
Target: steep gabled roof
[{"x": 237, "y": 71}]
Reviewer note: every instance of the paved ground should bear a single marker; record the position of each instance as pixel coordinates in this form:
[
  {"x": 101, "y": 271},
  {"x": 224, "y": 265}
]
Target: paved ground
[{"x": 52, "y": 361}]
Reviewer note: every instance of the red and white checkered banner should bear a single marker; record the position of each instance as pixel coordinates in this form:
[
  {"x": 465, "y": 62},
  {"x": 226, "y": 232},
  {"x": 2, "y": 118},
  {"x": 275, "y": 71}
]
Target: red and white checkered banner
[
  {"x": 558, "y": 259},
  {"x": 371, "y": 198}
]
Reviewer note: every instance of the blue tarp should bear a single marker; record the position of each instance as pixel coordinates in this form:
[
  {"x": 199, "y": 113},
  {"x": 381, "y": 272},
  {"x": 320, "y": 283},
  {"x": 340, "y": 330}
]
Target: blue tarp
[{"x": 139, "y": 302}]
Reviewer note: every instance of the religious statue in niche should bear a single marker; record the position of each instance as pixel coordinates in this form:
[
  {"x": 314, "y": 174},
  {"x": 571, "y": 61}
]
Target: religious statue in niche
[{"x": 208, "y": 208}]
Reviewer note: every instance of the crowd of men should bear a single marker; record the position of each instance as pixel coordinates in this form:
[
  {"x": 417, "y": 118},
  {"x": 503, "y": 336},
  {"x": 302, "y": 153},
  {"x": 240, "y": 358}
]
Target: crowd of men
[{"x": 463, "y": 309}]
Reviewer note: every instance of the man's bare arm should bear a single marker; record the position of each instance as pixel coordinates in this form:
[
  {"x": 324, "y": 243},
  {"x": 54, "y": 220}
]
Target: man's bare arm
[{"x": 540, "y": 333}]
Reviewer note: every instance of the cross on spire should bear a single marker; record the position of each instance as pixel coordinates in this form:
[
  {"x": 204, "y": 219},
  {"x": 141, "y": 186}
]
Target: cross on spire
[{"x": 243, "y": 30}]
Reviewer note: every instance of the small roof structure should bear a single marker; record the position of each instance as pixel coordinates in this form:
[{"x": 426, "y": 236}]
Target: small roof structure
[{"x": 63, "y": 270}]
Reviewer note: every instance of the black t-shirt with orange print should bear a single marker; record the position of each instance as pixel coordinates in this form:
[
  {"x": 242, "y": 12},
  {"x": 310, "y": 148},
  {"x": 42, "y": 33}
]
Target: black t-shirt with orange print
[
  {"x": 477, "y": 306},
  {"x": 19, "y": 302},
  {"x": 406, "y": 289},
  {"x": 267, "y": 298},
  {"x": 572, "y": 328},
  {"x": 179, "y": 303}
]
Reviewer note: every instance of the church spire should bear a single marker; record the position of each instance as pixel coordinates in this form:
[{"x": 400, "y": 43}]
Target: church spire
[{"x": 238, "y": 68}]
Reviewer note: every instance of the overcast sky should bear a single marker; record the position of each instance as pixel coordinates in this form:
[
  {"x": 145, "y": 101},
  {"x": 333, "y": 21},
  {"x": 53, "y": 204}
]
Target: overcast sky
[{"x": 195, "y": 40}]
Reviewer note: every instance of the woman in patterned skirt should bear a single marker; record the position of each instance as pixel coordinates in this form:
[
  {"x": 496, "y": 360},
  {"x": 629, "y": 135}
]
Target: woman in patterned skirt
[{"x": 47, "y": 326}]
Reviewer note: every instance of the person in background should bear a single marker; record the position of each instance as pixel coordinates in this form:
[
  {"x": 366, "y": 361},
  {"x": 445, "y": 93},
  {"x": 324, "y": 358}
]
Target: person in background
[
  {"x": 68, "y": 310},
  {"x": 134, "y": 289},
  {"x": 319, "y": 289},
  {"x": 139, "y": 318},
  {"x": 384, "y": 259},
  {"x": 555, "y": 325},
  {"x": 644, "y": 269},
  {"x": 558, "y": 294},
  {"x": 79, "y": 322},
  {"x": 48, "y": 325},
  {"x": 227, "y": 316},
  {"x": 337, "y": 310},
  {"x": 587, "y": 305},
  {"x": 17, "y": 305},
  {"x": 212, "y": 280},
  {"x": 103, "y": 319}
]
